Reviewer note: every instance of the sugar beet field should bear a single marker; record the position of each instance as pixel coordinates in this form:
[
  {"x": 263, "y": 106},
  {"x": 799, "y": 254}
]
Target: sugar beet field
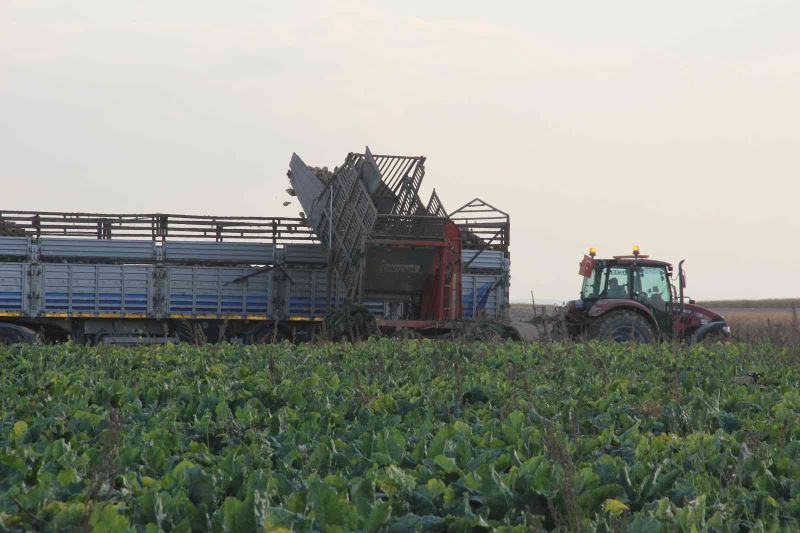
[{"x": 400, "y": 436}]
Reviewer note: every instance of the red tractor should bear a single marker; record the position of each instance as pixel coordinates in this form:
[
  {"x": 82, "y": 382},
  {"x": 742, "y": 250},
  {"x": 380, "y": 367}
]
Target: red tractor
[{"x": 632, "y": 298}]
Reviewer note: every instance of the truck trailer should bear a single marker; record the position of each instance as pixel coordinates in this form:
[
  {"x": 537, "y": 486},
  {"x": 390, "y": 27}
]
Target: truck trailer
[{"x": 365, "y": 239}]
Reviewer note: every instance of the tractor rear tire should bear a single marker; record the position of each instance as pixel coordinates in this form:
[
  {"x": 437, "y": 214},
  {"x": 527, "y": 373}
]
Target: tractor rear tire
[{"x": 623, "y": 326}]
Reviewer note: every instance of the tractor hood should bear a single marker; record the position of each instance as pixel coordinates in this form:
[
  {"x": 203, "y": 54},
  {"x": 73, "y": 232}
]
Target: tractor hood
[
  {"x": 701, "y": 323},
  {"x": 703, "y": 314}
]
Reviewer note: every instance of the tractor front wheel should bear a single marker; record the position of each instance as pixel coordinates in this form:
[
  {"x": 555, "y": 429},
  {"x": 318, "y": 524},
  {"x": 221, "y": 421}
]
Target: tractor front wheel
[{"x": 622, "y": 326}]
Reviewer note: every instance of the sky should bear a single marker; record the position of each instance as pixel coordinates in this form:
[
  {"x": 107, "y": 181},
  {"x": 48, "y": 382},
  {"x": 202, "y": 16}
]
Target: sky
[{"x": 670, "y": 125}]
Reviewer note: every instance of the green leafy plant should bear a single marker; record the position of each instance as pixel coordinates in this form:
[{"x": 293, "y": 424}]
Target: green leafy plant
[{"x": 390, "y": 435}]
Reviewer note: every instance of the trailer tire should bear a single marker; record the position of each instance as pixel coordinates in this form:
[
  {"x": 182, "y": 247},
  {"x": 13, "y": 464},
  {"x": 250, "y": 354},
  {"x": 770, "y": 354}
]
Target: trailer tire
[
  {"x": 351, "y": 322},
  {"x": 266, "y": 334},
  {"x": 14, "y": 334},
  {"x": 622, "y": 326},
  {"x": 191, "y": 332},
  {"x": 405, "y": 334}
]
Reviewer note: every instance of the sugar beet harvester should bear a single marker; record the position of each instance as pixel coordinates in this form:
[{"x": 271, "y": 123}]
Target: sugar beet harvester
[{"x": 366, "y": 245}]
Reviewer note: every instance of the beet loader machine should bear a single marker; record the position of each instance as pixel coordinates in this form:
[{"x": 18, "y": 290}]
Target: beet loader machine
[
  {"x": 414, "y": 264},
  {"x": 366, "y": 253}
]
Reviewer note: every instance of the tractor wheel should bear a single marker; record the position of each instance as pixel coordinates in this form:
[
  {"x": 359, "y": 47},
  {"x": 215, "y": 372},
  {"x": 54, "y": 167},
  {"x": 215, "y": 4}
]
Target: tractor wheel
[
  {"x": 714, "y": 337},
  {"x": 622, "y": 326}
]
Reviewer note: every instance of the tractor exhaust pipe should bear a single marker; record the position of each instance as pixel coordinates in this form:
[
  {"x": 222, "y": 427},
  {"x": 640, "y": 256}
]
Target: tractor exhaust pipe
[{"x": 681, "y": 281}]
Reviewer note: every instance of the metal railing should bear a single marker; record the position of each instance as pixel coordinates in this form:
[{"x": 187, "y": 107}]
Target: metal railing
[
  {"x": 402, "y": 177},
  {"x": 483, "y": 225},
  {"x": 158, "y": 226}
]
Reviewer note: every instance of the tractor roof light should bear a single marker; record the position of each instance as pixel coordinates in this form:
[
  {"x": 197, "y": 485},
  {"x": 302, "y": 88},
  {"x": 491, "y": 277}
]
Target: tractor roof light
[
  {"x": 636, "y": 250},
  {"x": 592, "y": 251}
]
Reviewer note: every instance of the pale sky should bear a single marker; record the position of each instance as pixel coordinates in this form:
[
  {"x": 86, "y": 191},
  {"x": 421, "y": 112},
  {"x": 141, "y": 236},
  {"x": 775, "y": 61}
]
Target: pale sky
[{"x": 672, "y": 125}]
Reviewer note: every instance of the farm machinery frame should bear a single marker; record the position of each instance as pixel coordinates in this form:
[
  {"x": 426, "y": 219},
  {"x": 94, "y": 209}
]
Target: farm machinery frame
[{"x": 365, "y": 241}]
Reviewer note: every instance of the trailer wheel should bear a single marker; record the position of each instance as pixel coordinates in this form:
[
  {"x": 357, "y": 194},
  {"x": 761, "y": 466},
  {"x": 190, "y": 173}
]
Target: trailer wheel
[
  {"x": 96, "y": 339},
  {"x": 13, "y": 334},
  {"x": 622, "y": 326},
  {"x": 191, "y": 332},
  {"x": 482, "y": 330},
  {"x": 351, "y": 322},
  {"x": 266, "y": 334},
  {"x": 406, "y": 334}
]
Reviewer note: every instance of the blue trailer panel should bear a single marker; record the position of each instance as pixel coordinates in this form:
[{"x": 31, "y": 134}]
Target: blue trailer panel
[
  {"x": 17, "y": 247},
  {"x": 95, "y": 288},
  {"x": 376, "y": 307},
  {"x": 218, "y": 291},
  {"x": 98, "y": 250},
  {"x": 13, "y": 287},
  {"x": 219, "y": 252},
  {"x": 483, "y": 296},
  {"x": 306, "y": 293},
  {"x": 305, "y": 254},
  {"x": 483, "y": 260}
]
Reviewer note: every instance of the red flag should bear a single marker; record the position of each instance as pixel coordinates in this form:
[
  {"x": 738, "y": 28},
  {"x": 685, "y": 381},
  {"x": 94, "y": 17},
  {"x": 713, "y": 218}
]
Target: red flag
[{"x": 587, "y": 266}]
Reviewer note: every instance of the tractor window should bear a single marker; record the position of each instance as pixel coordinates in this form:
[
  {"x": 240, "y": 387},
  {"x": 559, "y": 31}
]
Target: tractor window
[
  {"x": 617, "y": 283},
  {"x": 593, "y": 285},
  {"x": 651, "y": 285}
]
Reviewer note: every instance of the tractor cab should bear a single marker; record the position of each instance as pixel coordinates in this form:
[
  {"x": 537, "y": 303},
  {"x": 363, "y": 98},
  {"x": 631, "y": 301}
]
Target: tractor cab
[{"x": 633, "y": 297}]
